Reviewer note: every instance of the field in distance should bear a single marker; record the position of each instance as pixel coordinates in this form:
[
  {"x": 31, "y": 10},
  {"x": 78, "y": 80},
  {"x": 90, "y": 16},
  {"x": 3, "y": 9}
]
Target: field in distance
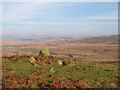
[{"x": 103, "y": 48}]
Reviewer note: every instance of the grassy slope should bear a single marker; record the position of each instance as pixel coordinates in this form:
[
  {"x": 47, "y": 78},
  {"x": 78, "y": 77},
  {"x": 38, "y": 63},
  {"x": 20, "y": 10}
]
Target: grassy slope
[{"x": 89, "y": 74}]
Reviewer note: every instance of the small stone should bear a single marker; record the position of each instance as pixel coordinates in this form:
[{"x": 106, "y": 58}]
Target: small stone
[
  {"x": 60, "y": 62},
  {"x": 32, "y": 59},
  {"x": 51, "y": 70}
]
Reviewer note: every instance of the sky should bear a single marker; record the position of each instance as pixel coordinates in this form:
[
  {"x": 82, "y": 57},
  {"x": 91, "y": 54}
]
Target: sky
[{"x": 31, "y": 20}]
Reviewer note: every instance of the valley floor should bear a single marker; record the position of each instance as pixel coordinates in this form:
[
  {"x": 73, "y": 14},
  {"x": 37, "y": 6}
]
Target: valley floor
[{"x": 84, "y": 51}]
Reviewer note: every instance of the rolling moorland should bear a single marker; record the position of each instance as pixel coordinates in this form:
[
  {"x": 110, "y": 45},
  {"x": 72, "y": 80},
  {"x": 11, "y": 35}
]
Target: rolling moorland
[{"x": 90, "y": 62}]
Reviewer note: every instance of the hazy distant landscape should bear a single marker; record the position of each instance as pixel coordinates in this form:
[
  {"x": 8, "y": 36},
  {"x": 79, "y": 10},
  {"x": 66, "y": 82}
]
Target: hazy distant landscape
[{"x": 89, "y": 48}]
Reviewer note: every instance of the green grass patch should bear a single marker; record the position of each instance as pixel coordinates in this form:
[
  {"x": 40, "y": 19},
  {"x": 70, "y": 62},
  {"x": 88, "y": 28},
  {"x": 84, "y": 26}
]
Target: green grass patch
[
  {"x": 99, "y": 75},
  {"x": 22, "y": 67}
]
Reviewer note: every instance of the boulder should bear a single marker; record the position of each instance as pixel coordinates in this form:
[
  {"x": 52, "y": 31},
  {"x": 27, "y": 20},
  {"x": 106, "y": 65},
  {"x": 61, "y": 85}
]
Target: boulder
[{"x": 44, "y": 52}]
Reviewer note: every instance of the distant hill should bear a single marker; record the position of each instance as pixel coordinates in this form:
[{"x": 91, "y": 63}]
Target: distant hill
[
  {"x": 100, "y": 39},
  {"x": 97, "y": 39},
  {"x": 27, "y": 39}
]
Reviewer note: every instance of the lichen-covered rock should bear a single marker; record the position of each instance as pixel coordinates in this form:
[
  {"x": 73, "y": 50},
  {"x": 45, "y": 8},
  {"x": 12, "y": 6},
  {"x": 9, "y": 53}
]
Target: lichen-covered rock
[{"x": 44, "y": 52}]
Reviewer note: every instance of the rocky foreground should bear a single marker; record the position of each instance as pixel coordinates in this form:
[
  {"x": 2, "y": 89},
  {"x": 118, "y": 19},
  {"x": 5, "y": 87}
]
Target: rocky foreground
[{"x": 28, "y": 71}]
